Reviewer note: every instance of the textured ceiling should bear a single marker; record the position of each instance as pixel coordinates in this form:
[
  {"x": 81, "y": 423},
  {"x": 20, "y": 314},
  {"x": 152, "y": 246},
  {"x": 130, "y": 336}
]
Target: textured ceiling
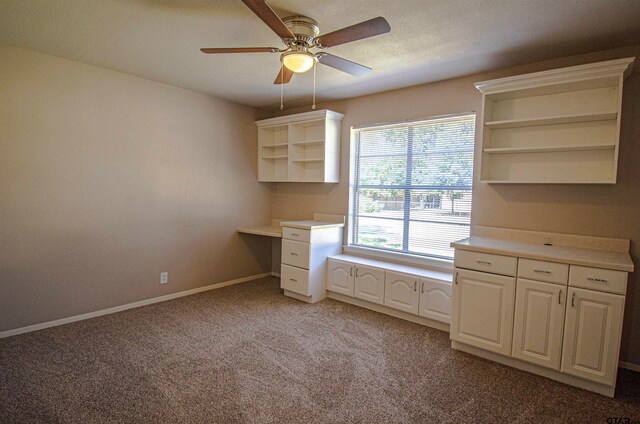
[{"x": 429, "y": 40}]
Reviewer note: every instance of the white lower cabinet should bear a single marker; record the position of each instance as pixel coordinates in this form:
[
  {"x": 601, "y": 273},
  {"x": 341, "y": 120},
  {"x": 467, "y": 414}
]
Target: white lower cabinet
[
  {"x": 593, "y": 326},
  {"x": 538, "y": 322},
  {"x": 401, "y": 292},
  {"x": 369, "y": 284},
  {"x": 561, "y": 320},
  {"x": 340, "y": 277},
  {"x": 435, "y": 299},
  {"x": 421, "y": 292},
  {"x": 483, "y": 310}
]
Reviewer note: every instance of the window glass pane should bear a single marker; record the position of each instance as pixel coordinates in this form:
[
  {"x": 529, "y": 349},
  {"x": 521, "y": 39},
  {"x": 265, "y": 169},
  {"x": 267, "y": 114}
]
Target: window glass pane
[
  {"x": 429, "y": 160},
  {"x": 377, "y": 232}
]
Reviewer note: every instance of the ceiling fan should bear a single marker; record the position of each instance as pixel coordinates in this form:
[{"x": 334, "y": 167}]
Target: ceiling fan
[{"x": 300, "y": 34}]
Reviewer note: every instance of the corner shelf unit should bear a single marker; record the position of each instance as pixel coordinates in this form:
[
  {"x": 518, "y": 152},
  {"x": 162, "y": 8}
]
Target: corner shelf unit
[
  {"x": 555, "y": 127},
  {"x": 304, "y": 147}
]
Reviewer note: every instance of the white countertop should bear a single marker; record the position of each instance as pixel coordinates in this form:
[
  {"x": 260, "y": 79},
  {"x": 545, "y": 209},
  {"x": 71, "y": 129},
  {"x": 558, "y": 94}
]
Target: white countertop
[
  {"x": 571, "y": 255},
  {"x": 264, "y": 230},
  {"x": 308, "y": 225}
]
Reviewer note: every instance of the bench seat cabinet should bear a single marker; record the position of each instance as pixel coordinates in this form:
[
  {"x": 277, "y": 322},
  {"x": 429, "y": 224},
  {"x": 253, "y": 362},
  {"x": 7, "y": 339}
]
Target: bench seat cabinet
[{"x": 423, "y": 293}]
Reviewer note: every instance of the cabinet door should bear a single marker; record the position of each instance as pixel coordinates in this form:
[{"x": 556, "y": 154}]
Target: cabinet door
[
  {"x": 369, "y": 284},
  {"x": 435, "y": 300},
  {"x": 401, "y": 291},
  {"x": 538, "y": 322},
  {"x": 483, "y": 310},
  {"x": 340, "y": 277},
  {"x": 593, "y": 325}
]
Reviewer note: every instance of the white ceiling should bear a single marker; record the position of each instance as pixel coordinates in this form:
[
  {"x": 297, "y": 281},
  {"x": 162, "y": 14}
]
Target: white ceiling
[{"x": 430, "y": 40}]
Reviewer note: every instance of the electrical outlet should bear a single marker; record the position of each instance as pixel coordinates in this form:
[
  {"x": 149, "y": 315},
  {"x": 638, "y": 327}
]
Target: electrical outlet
[{"x": 164, "y": 277}]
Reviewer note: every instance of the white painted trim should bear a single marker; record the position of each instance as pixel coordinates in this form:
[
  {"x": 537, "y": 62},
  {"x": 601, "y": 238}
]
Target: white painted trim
[
  {"x": 629, "y": 366},
  {"x": 275, "y": 274},
  {"x": 300, "y": 117},
  {"x": 62, "y": 321},
  {"x": 610, "y": 68}
]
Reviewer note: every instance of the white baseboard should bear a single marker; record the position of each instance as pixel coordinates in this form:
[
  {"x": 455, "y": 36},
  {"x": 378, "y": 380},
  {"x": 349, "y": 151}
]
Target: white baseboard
[
  {"x": 275, "y": 274},
  {"x": 629, "y": 366},
  {"x": 138, "y": 304}
]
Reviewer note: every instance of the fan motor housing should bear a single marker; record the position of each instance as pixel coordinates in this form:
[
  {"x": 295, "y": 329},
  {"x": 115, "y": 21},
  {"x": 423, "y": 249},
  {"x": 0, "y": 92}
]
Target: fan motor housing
[{"x": 304, "y": 28}]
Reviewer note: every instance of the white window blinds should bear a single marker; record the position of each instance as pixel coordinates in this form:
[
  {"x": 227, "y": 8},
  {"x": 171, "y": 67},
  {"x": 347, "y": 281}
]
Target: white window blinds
[{"x": 411, "y": 189}]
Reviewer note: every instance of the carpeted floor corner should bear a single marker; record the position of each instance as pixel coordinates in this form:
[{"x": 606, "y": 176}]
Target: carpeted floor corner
[{"x": 246, "y": 354}]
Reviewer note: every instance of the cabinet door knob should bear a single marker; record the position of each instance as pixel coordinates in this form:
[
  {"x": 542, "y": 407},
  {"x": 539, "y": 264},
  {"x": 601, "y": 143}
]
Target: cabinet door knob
[
  {"x": 456, "y": 278},
  {"x": 573, "y": 299},
  {"x": 560, "y": 297},
  {"x": 415, "y": 285},
  {"x": 356, "y": 272},
  {"x": 351, "y": 272},
  {"x": 422, "y": 288}
]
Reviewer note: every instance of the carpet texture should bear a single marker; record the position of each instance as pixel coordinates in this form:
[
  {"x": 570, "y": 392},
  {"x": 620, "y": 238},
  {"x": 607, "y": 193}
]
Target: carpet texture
[{"x": 246, "y": 353}]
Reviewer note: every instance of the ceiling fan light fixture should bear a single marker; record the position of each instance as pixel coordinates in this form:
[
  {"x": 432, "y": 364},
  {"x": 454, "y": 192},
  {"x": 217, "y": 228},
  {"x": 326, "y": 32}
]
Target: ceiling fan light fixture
[{"x": 298, "y": 61}]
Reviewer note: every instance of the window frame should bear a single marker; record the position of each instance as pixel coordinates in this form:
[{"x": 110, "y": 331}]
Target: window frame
[{"x": 391, "y": 254}]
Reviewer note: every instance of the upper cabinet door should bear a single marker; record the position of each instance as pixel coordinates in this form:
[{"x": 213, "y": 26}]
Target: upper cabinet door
[
  {"x": 369, "y": 284},
  {"x": 483, "y": 306},
  {"x": 592, "y": 331},
  {"x": 340, "y": 277},
  {"x": 539, "y": 321},
  {"x": 401, "y": 291},
  {"x": 435, "y": 300}
]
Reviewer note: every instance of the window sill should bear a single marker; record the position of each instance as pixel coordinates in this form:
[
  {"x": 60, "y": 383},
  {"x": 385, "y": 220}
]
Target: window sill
[{"x": 429, "y": 263}]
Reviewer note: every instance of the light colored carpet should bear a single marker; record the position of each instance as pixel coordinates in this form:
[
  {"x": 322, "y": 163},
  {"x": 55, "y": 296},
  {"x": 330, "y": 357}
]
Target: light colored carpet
[{"x": 246, "y": 353}]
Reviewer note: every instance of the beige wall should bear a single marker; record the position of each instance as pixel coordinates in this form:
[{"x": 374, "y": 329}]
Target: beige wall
[
  {"x": 599, "y": 210},
  {"x": 107, "y": 179}
]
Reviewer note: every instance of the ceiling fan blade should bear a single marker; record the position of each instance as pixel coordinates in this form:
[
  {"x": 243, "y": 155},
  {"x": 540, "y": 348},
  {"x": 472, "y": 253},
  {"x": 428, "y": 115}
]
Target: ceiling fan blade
[
  {"x": 370, "y": 28},
  {"x": 240, "y": 50},
  {"x": 269, "y": 17},
  {"x": 343, "y": 65},
  {"x": 283, "y": 79}
]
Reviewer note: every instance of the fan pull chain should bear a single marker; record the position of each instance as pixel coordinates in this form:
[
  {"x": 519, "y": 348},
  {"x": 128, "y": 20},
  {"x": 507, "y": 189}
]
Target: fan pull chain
[
  {"x": 313, "y": 106},
  {"x": 282, "y": 88}
]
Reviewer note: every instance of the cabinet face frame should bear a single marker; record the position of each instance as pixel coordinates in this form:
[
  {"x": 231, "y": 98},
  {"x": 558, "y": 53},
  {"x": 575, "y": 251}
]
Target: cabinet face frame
[
  {"x": 369, "y": 284},
  {"x": 593, "y": 329},
  {"x": 482, "y": 313},
  {"x": 539, "y": 322},
  {"x": 340, "y": 277},
  {"x": 401, "y": 291}
]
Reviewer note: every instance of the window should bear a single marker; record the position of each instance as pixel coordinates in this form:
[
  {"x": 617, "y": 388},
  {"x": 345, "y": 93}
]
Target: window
[{"x": 411, "y": 185}]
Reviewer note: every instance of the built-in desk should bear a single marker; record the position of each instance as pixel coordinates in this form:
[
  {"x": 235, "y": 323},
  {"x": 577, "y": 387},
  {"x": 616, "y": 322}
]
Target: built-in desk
[{"x": 273, "y": 230}]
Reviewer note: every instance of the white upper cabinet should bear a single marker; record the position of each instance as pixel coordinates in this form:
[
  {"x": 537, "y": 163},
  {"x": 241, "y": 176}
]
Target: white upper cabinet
[
  {"x": 557, "y": 126},
  {"x": 304, "y": 147}
]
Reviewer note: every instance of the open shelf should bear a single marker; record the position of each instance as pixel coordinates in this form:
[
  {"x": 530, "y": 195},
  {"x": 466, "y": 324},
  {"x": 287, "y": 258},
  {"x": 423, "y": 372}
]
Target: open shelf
[
  {"x": 304, "y": 147},
  {"x": 552, "y": 120},
  {"x": 553, "y": 127},
  {"x": 543, "y": 149}
]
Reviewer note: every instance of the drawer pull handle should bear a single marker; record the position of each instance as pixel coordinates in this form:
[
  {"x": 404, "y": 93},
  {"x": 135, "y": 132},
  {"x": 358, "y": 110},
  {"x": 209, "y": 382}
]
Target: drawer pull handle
[
  {"x": 293, "y": 280},
  {"x": 295, "y": 234},
  {"x": 456, "y": 278},
  {"x": 573, "y": 300},
  {"x": 356, "y": 272},
  {"x": 351, "y": 272},
  {"x": 598, "y": 280},
  {"x": 542, "y": 271},
  {"x": 484, "y": 262},
  {"x": 294, "y": 254},
  {"x": 415, "y": 285},
  {"x": 560, "y": 297},
  {"x": 422, "y": 288}
]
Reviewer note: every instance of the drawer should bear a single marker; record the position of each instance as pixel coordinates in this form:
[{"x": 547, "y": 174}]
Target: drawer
[
  {"x": 496, "y": 264},
  {"x": 599, "y": 279},
  {"x": 295, "y": 253},
  {"x": 294, "y": 279},
  {"x": 550, "y": 272},
  {"x": 296, "y": 234}
]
